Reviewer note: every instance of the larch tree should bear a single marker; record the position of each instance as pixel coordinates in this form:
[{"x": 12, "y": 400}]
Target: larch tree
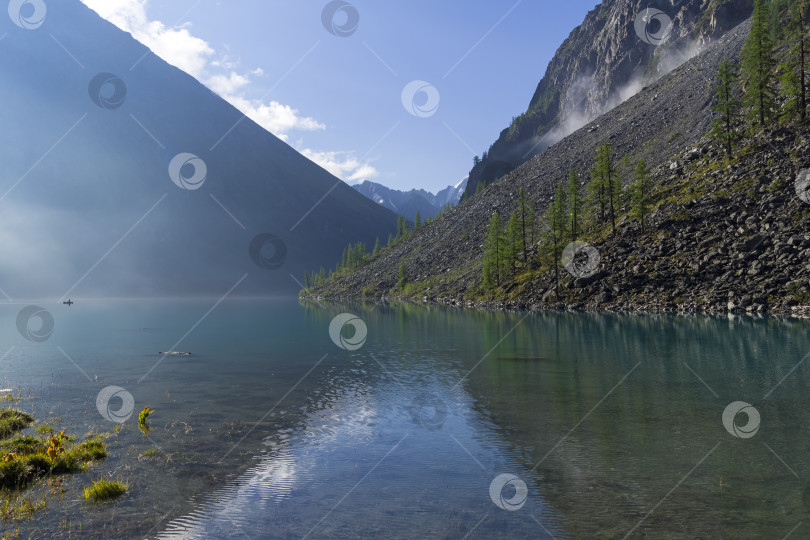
[
  {"x": 403, "y": 275},
  {"x": 531, "y": 221},
  {"x": 402, "y": 227},
  {"x": 608, "y": 185},
  {"x": 641, "y": 191},
  {"x": 513, "y": 243},
  {"x": 793, "y": 72},
  {"x": 725, "y": 128},
  {"x": 758, "y": 66},
  {"x": 557, "y": 220},
  {"x": 493, "y": 252},
  {"x": 523, "y": 211},
  {"x": 575, "y": 204},
  {"x": 597, "y": 196}
]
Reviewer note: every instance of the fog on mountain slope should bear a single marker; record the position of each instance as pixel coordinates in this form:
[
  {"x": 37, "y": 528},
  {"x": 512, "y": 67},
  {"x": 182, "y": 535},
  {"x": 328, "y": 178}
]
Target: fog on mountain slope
[
  {"x": 621, "y": 46},
  {"x": 124, "y": 176}
]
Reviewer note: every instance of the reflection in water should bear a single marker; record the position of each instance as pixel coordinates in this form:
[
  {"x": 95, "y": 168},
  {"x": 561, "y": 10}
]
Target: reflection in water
[
  {"x": 372, "y": 452},
  {"x": 610, "y": 455},
  {"x": 614, "y": 423},
  {"x": 600, "y": 415}
]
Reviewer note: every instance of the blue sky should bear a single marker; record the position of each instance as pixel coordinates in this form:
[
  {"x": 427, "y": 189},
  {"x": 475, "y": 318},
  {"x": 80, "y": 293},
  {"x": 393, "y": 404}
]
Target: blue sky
[{"x": 339, "y": 100}]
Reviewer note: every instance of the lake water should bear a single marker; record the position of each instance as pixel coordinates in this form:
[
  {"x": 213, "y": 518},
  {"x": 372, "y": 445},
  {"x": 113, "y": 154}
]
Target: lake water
[{"x": 607, "y": 426}]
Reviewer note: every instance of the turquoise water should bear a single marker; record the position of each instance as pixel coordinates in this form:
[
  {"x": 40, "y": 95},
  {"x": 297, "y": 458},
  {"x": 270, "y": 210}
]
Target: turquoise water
[{"x": 612, "y": 423}]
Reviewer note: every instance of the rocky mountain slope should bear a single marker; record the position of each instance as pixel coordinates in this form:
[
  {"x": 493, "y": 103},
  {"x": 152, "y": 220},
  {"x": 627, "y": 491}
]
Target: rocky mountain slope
[
  {"x": 722, "y": 236},
  {"x": 621, "y": 46}
]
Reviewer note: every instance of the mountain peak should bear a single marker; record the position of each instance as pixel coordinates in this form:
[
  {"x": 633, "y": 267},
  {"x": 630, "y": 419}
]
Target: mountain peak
[{"x": 409, "y": 202}]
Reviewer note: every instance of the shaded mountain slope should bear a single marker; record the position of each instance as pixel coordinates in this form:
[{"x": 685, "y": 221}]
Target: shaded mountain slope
[{"x": 84, "y": 172}]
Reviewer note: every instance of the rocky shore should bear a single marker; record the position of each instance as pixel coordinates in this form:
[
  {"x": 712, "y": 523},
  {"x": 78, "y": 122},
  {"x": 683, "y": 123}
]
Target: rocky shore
[{"x": 727, "y": 236}]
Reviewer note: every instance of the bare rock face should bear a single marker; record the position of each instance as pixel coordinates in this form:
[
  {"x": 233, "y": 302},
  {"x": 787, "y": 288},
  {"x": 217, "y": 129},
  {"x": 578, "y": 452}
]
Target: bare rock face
[
  {"x": 621, "y": 47},
  {"x": 724, "y": 13}
]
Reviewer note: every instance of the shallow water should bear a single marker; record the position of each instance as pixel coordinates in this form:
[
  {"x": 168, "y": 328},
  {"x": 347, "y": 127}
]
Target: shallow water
[{"x": 270, "y": 430}]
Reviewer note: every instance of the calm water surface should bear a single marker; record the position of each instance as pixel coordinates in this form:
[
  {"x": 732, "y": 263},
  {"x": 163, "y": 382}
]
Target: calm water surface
[{"x": 269, "y": 430}]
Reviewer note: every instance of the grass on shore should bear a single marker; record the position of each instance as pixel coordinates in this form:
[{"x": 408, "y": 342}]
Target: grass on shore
[
  {"x": 27, "y": 458},
  {"x": 105, "y": 490},
  {"x": 13, "y": 420},
  {"x": 19, "y": 506}
]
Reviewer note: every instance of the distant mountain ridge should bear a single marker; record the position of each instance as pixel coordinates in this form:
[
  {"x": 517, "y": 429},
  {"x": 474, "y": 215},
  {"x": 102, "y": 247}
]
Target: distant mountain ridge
[{"x": 408, "y": 203}]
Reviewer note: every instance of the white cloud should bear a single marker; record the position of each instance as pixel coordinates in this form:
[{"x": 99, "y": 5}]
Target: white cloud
[
  {"x": 227, "y": 84},
  {"x": 216, "y": 70},
  {"x": 273, "y": 116},
  {"x": 175, "y": 45},
  {"x": 342, "y": 164}
]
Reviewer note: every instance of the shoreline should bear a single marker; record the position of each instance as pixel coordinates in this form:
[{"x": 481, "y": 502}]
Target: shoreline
[{"x": 796, "y": 312}]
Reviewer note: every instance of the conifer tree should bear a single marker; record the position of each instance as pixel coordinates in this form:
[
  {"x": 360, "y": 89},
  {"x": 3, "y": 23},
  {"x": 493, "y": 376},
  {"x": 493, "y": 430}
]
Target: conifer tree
[
  {"x": 597, "y": 198},
  {"x": 513, "y": 243},
  {"x": 376, "y": 247},
  {"x": 493, "y": 252},
  {"x": 523, "y": 215},
  {"x": 531, "y": 221},
  {"x": 417, "y": 221},
  {"x": 605, "y": 185},
  {"x": 641, "y": 193},
  {"x": 758, "y": 65},
  {"x": 402, "y": 227},
  {"x": 793, "y": 72},
  {"x": 725, "y": 127},
  {"x": 403, "y": 275},
  {"x": 575, "y": 204},
  {"x": 613, "y": 182},
  {"x": 556, "y": 220}
]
